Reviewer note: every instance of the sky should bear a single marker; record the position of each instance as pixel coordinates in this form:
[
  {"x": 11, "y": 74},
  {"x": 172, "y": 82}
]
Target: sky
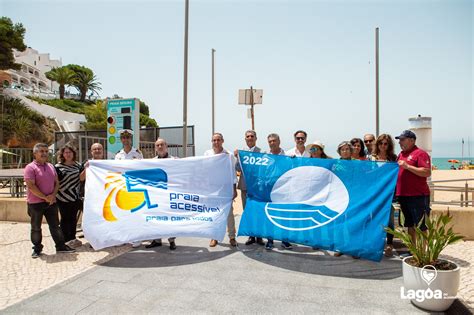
[{"x": 314, "y": 60}]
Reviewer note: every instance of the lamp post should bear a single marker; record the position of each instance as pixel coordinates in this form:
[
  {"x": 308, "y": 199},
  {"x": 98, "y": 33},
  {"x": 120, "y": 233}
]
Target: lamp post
[
  {"x": 213, "y": 108},
  {"x": 185, "y": 83},
  {"x": 377, "y": 126}
]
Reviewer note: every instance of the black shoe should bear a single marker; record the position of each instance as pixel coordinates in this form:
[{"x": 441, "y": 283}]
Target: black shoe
[
  {"x": 35, "y": 254},
  {"x": 154, "y": 243},
  {"x": 172, "y": 245},
  {"x": 269, "y": 245},
  {"x": 286, "y": 245},
  {"x": 65, "y": 249},
  {"x": 250, "y": 241},
  {"x": 260, "y": 241}
]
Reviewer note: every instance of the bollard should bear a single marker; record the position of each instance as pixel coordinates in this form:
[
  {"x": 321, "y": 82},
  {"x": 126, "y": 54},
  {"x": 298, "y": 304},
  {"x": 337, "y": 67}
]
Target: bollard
[
  {"x": 462, "y": 199},
  {"x": 466, "y": 191}
]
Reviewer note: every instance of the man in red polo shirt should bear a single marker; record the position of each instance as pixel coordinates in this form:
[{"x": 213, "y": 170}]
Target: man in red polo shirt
[{"x": 412, "y": 189}]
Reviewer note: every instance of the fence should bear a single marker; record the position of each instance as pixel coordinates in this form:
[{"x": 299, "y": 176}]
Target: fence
[
  {"x": 82, "y": 140},
  {"x": 462, "y": 191}
]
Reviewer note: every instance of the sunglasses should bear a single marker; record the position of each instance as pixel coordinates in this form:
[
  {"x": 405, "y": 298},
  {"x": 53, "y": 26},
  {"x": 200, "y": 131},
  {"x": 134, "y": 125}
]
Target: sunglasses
[
  {"x": 383, "y": 143},
  {"x": 314, "y": 149},
  {"x": 249, "y": 136},
  {"x": 368, "y": 141},
  {"x": 300, "y": 138}
]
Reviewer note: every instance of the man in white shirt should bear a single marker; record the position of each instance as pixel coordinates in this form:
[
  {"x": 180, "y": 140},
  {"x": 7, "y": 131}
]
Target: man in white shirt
[
  {"x": 251, "y": 141},
  {"x": 217, "y": 148},
  {"x": 128, "y": 153},
  {"x": 300, "y": 149},
  {"x": 161, "y": 151},
  {"x": 274, "y": 145}
]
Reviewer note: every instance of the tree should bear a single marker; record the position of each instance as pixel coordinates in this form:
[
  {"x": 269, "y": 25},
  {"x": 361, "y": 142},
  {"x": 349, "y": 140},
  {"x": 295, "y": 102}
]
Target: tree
[
  {"x": 96, "y": 117},
  {"x": 84, "y": 80},
  {"x": 11, "y": 37},
  {"x": 63, "y": 75},
  {"x": 144, "y": 109}
]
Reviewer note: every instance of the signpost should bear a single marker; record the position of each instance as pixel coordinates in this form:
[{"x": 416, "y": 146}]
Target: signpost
[
  {"x": 122, "y": 114},
  {"x": 251, "y": 97}
]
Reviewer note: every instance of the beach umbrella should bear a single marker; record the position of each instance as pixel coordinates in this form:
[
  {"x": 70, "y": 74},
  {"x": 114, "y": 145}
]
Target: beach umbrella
[{"x": 453, "y": 161}]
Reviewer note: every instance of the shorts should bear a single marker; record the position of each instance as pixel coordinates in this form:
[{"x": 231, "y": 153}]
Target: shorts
[{"x": 414, "y": 209}]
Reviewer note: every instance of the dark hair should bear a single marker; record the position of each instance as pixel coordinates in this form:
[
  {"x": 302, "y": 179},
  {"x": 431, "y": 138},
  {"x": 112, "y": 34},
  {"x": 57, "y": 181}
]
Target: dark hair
[
  {"x": 300, "y": 131},
  {"x": 61, "y": 153},
  {"x": 362, "y": 146},
  {"x": 391, "y": 156}
]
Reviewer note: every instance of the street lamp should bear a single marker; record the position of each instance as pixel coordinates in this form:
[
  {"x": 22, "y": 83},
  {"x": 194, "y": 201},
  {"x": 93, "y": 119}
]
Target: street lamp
[
  {"x": 185, "y": 83},
  {"x": 213, "y": 108}
]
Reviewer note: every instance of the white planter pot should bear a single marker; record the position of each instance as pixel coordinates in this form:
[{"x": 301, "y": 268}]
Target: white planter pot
[{"x": 433, "y": 291}]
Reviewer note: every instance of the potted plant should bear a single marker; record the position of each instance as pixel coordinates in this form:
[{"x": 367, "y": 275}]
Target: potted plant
[{"x": 429, "y": 282}]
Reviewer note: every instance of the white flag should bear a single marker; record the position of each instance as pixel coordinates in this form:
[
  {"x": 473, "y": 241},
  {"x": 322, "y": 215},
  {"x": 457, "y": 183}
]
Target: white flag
[{"x": 135, "y": 200}]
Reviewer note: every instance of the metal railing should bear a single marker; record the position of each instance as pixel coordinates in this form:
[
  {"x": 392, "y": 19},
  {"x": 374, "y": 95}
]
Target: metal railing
[{"x": 464, "y": 192}]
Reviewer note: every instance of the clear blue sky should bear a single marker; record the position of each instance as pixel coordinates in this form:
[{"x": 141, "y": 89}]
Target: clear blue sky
[{"x": 313, "y": 59}]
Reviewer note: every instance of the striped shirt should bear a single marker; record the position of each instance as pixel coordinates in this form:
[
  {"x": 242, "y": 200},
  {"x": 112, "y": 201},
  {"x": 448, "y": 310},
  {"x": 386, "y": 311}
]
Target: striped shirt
[{"x": 69, "y": 182}]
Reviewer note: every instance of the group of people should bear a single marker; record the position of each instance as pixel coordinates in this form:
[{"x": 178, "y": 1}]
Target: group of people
[{"x": 59, "y": 188}]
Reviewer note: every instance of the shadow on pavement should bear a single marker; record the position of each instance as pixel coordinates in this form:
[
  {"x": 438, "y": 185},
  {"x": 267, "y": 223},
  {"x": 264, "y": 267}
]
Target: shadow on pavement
[
  {"x": 321, "y": 262},
  {"x": 163, "y": 257}
]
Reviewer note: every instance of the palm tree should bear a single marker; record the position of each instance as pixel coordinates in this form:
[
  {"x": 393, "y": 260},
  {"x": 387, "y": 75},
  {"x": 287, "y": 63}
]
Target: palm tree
[
  {"x": 86, "y": 81},
  {"x": 62, "y": 75}
]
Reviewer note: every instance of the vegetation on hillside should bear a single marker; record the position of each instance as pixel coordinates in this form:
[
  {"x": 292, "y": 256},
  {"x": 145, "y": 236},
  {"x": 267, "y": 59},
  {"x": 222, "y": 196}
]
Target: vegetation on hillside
[
  {"x": 65, "y": 104},
  {"x": 22, "y": 126}
]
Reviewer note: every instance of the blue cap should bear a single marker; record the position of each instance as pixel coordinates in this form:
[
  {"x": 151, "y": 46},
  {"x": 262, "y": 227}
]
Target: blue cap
[{"x": 406, "y": 134}]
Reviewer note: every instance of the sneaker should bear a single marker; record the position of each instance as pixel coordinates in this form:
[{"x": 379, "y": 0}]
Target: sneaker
[
  {"x": 74, "y": 243},
  {"x": 136, "y": 244},
  {"x": 269, "y": 245},
  {"x": 260, "y": 241},
  {"x": 172, "y": 245},
  {"x": 35, "y": 254},
  {"x": 250, "y": 241},
  {"x": 154, "y": 243},
  {"x": 286, "y": 245},
  {"x": 65, "y": 249},
  {"x": 388, "y": 251}
]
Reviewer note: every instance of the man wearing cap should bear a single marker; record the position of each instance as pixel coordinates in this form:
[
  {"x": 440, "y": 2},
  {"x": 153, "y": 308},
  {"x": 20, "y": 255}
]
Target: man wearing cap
[
  {"x": 412, "y": 189},
  {"x": 299, "y": 150},
  {"x": 217, "y": 148},
  {"x": 161, "y": 151},
  {"x": 251, "y": 141},
  {"x": 128, "y": 152}
]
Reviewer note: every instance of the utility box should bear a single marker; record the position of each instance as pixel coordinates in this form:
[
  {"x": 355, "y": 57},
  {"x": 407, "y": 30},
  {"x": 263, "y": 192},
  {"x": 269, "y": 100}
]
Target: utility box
[{"x": 122, "y": 114}]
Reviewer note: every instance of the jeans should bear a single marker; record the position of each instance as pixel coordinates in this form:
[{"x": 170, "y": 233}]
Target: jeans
[
  {"x": 36, "y": 211},
  {"x": 68, "y": 212},
  {"x": 391, "y": 225}
]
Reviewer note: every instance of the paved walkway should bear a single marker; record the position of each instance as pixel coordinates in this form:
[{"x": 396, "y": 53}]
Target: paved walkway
[{"x": 199, "y": 279}]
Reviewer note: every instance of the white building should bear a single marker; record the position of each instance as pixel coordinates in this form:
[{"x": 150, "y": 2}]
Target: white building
[{"x": 34, "y": 65}]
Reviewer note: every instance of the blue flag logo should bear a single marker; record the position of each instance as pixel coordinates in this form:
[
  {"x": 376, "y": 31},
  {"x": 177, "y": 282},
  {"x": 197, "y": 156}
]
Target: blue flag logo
[{"x": 331, "y": 204}]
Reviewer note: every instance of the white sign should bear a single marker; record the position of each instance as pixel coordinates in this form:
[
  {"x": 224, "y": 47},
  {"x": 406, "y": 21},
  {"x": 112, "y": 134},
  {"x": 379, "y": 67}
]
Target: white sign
[
  {"x": 135, "y": 200},
  {"x": 245, "y": 97}
]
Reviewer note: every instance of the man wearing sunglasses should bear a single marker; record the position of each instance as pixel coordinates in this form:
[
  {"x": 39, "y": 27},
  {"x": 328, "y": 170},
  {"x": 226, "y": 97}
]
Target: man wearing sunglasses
[
  {"x": 128, "y": 152},
  {"x": 251, "y": 141},
  {"x": 299, "y": 150},
  {"x": 369, "y": 141}
]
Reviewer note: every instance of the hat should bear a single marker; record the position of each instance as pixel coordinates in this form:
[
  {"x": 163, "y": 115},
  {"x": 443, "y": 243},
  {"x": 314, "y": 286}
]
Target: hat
[
  {"x": 406, "y": 134},
  {"x": 317, "y": 142},
  {"x": 125, "y": 131}
]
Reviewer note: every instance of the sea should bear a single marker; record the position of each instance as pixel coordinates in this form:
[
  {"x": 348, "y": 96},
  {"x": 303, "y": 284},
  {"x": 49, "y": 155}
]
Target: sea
[{"x": 443, "y": 164}]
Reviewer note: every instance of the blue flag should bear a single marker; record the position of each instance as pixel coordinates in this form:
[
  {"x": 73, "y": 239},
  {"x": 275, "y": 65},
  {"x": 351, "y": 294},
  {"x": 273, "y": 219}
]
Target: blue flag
[{"x": 337, "y": 205}]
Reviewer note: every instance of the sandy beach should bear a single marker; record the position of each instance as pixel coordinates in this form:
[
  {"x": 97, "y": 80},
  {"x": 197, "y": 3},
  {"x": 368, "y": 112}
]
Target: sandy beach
[{"x": 452, "y": 175}]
